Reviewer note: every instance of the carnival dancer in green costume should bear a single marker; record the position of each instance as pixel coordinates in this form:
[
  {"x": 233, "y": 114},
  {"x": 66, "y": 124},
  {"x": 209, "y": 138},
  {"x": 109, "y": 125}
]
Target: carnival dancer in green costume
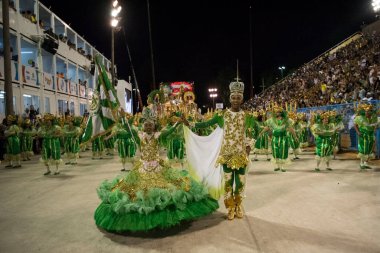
[
  {"x": 279, "y": 125},
  {"x": 71, "y": 133},
  {"x": 175, "y": 141},
  {"x": 262, "y": 141},
  {"x": 26, "y": 137},
  {"x": 294, "y": 142},
  {"x": 97, "y": 148},
  {"x": 152, "y": 195},
  {"x": 323, "y": 130},
  {"x": 51, "y": 133},
  {"x": 236, "y": 146},
  {"x": 365, "y": 124},
  {"x": 339, "y": 126},
  {"x": 12, "y": 133},
  {"x": 304, "y": 135},
  {"x": 126, "y": 138}
]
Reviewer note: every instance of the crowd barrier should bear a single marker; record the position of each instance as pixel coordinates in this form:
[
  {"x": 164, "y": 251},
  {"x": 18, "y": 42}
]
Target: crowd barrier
[{"x": 348, "y": 137}]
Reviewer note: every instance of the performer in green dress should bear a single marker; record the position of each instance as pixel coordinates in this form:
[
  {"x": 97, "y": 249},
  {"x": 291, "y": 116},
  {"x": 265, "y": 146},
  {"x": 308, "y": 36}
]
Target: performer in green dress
[
  {"x": 175, "y": 146},
  {"x": 126, "y": 138},
  {"x": 152, "y": 195},
  {"x": 71, "y": 133},
  {"x": 339, "y": 126},
  {"x": 366, "y": 122},
  {"x": 279, "y": 125},
  {"x": 26, "y": 137},
  {"x": 262, "y": 141},
  {"x": 12, "y": 133},
  {"x": 304, "y": 125},
  {"x": 50, "y": 132},
  {"x": 295, "y": 142},
  {"x": 97, "y": 148},
  {"x": 236, "y": 146},
  {"x": 323, "y": 130}
]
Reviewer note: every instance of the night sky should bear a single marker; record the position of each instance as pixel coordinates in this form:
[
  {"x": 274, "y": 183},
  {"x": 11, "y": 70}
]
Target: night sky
[{"x": 200, "y": 40}]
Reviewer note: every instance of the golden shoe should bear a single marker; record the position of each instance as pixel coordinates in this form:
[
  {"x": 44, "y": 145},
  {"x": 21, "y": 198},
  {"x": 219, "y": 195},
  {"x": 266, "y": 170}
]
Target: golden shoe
[
  {"x": 231, "y": 213},
  {"x": 239, "y": 211}
]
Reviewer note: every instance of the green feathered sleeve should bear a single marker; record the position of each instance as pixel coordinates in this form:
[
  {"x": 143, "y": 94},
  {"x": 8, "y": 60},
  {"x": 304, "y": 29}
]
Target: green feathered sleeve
[
  {"x": 217, "y": 119},
  {"x": 165, "y": 134}
]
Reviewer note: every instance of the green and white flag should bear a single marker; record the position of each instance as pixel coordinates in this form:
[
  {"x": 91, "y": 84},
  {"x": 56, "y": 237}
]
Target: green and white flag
[{"x": 104, "y": 106}]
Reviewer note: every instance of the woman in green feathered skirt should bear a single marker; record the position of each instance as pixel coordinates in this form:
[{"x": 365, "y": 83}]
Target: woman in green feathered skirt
[{"x": 152, "y": 195}]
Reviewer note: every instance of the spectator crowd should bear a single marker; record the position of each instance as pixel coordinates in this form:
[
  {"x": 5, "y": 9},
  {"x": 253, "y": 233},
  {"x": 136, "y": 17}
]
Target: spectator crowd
[{"x": 350, "y": 73}]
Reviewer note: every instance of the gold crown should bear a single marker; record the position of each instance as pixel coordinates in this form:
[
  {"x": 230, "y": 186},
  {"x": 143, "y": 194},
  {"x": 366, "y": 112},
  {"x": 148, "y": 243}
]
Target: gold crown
[
  {"x": 237, "y": 87},
  {"x": 148, "y": 114}
]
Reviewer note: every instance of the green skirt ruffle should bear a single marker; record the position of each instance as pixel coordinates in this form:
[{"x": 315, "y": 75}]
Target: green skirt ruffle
[{"x": 109, "y": 220}]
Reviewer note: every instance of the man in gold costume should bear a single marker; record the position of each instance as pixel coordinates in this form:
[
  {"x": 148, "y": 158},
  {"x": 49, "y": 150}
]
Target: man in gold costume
[{"x": 235, "y": 149}]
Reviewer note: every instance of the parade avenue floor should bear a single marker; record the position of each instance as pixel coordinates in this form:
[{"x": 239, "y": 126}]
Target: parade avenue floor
[{"x": 296, "y": 211}]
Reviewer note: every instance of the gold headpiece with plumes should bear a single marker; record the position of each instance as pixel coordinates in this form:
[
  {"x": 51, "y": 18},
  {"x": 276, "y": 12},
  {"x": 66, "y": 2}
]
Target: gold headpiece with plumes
[
  {"x": 277, "y": 108},
  {"x": 292, "y": 115},
  {"x": 365, "y": 107},
  {"x": 48, "y": 117},
  {"x": 11, "y": 118}
]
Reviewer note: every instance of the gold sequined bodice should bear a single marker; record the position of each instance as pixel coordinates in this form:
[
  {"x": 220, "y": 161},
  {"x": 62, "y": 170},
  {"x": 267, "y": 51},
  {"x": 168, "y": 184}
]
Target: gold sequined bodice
[
  {"x": 234, "y": 134},
  {"x": 233, "y": 148},
  {"x": 149, "y": 148}
]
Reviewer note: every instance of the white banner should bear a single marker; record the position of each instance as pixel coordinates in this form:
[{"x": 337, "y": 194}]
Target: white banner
[
  {"x": 61, "y": 85},
  {"x": 73, "y": 88},
  {"x": 82, "y": 91},
  {"x": 202, "y": 154},
  {"x": 29, "y": 75},
  {"x": 48, "y": 81}
]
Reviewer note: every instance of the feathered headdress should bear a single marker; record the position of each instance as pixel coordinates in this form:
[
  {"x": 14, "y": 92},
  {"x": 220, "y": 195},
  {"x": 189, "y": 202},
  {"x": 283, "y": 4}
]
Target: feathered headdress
[{"x": 148, "y": 115}]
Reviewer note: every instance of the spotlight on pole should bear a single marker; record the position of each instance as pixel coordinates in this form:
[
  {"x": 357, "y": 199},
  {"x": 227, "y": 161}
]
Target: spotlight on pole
[
  {"x": 114, "y": 4},
  {"x": 376, "y": 5},
  {"x": 114, "y": 22}
]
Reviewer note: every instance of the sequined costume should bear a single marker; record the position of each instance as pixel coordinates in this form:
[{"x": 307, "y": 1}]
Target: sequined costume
[
  {"x": 366, "y": 122},
  {"x": 338, "y": 124},
  {"x": 280, "y": 142},
  {"x": 12, "y": 133},
  {"x": 152, "y": 195},
  {"x": 126, "y": 138},
  {"x": 323, "y": 130},
  {"x": 50, "y": 132},
  {"x": 175, "y": 145},
  {"x": 262, "y": 141},
  {"x": 26, "y": 138},
  {"x": 232, "y": 156},
  {"x": 294, "y": 141},
  {"x": 98, "y": 148},
  {"x": 71, "y": 135}
]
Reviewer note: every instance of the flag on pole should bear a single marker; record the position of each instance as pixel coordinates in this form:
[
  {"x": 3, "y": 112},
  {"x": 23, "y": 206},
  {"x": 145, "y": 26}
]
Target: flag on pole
[{"x": 104, "y": 106}]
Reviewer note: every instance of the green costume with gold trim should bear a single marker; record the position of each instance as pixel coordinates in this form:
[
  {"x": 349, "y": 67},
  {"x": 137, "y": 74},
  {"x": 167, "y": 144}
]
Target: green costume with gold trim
[
  {"x": 323, "y": 134},
  {"x": 152, "y": 195},
  {"x": 12, "y": 133},
  {"x": 26, "y": 138},
  {"x": 367, "y": 138},
  {"x": 233, "y": 156}
]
